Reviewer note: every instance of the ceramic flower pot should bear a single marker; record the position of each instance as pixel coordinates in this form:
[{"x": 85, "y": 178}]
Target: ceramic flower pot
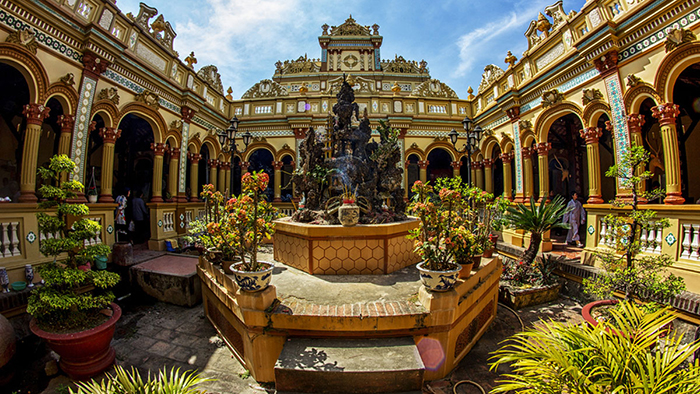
[
  {"x": 84, "y": 353},
  {"x": 348, "y": 214},
  {"x": 477, "y": 261},
  {"x": 214, "y": 256},
  {"x": 92, "y": 199},
  {"x": 590, "y": 319},
  {"x": 438, "y": 280},
  {"x": 466, "y": 270},
  {"x": 252, "y": 281}
]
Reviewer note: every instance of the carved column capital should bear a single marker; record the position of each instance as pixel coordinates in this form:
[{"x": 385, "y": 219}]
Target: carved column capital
[
  {"x": 224, "y": 165},
  {"x": 187, "y": 114},
  {"x": 487, "y": 163},
  {"x": 513, "y": 113},
  {"x": 213, "y": 163},
  {"x": 477, "y": 165},
  {"x": 528, "y": 152},
  {"x": 93, "y": 65},
  {"x": 158, "y": 148},
  {"x": 456, "y": 164},
  {"x": 174, "y": 153},
  {"x": 299, "y": 134},
  {"x": 423, "y": 164},
  {"x": 67, "y": 122},
  {"x": 194, "y": 157},
  {"x": 591, "y": 134},
  {"x": 635, "y": 122},
  {"x": 607, "y": 63},
  {"x": 507, "y": 157},
  {"x": 110, "y": 134},
  {"x": 244, "y": 166},
  {"x": 543, "y": 148},
  {"x": 35, "y": 113},
  {"x": 277, "y": 165},
  {"x": 666, "y": 113}
]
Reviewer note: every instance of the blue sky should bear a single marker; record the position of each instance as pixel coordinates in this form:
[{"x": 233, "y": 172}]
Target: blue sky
[{"x": 244, "y": 38}]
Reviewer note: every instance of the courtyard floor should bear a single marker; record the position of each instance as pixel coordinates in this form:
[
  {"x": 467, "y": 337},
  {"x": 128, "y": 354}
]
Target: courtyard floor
[{"x": 151, "y": 335}]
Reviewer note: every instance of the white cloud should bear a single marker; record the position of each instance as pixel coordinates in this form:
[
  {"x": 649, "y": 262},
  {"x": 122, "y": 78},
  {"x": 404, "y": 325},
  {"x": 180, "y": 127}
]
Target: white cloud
[{"x": 474, "y": 46}]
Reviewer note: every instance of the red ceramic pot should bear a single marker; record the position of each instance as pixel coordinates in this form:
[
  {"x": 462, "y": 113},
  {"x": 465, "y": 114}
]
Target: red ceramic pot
[
  {"x": 85, "y": 353},
  {"x": 586, "y": 313}
]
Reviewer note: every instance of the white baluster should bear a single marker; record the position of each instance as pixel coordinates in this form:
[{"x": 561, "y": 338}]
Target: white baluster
[
  {"x": 686, "y": 241},
  {"x": 14, "y": 238},
  {"x": 651, "y": 238},
  {"x": 644, "y": 240},
  {"x": 5, "y": 251},
  {"x": 695, "y": 245},
  {"x": 98, "y": 235},
  {"x": 603, "y": 233},
  {"x": 659, "y": 234}
]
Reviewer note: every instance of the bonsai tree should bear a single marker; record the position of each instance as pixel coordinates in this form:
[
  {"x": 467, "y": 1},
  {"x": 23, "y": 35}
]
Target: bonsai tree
[
  {"x": 644, "y": 277},
  {"x": 615, "y": 356},
  {"x": 537, "y": 219},
  {"x": 58, "y": 305}
]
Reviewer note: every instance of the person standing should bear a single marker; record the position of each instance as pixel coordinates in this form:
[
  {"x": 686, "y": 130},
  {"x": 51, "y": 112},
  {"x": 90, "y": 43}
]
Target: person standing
[
  {"x": 120, "y": 215},
  {"x": 576, "y": 216},
  {"x": 140, "y": 217}
]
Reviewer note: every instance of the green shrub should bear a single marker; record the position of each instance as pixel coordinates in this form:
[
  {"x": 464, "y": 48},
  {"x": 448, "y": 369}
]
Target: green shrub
[
  {"x": 131, "y": 382},
  {"x": 58, "y": 306}
]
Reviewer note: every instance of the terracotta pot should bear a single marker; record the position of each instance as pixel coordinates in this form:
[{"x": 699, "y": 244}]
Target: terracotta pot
[
  {"x": 466, "y": 270},
  {"x": 252, "y": 281},
  {"x": 214, "y": 256},
  {"x": 477, "y": 261},
  {"x": 226, "y": 265},
  {"x": 438, "y": 280},
  {"x": 84, "y": 353}
]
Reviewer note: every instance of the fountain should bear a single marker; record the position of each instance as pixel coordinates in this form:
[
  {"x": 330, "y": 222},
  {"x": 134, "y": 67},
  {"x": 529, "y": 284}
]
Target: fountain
[{"x": 345, "y": 177}]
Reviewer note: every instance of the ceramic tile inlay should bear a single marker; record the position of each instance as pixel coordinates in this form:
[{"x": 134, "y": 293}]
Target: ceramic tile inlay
[
  {"x": 518, "y": 158},
  {"x": 80, "y": 130}
]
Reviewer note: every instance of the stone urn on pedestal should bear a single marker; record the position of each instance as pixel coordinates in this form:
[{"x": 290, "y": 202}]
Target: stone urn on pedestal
[{"x": 348, "y": 213}]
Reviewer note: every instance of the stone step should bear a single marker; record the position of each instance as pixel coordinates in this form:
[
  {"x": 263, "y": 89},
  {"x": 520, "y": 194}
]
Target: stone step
[{"x": 336, "y": 365}]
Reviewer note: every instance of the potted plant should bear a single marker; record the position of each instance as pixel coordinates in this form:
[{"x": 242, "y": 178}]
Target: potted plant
[
  {"x": 439, "y": 216},
  {"x": 131, "y": 382},
  {"x": 214, "y": 232},
  {"x": 644, "y": 278},
  {"x": 92, "y": 188},
  {"x": 250, "y": 216},
  {"x": 614, "y": 357},
  {"x": 537, "y": 220},
  {"x": 77, "y": 324},
  {"x": 529, "y": 284}
]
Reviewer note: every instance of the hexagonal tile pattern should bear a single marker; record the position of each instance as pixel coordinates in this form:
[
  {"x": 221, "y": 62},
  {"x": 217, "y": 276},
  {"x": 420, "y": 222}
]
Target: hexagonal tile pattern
[
  {"x": 292, "y": 251},
  {"x": 400, "y": 254}
]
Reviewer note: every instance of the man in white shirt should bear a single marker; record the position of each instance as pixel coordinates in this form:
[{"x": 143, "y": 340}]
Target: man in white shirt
[{"x": 575, "y": 217}]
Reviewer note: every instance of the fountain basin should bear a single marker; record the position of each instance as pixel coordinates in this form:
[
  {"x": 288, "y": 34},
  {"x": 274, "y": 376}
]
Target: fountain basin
[{"x": 363, "y": 249}]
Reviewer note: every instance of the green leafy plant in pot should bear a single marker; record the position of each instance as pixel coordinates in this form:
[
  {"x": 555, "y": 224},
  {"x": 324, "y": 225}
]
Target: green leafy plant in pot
[
  {"x": 640, "y": 277},
  {"x": 70, "y": 318},
  {"x": 439, "y": 217},
  {"x": 250, "y": 216}
]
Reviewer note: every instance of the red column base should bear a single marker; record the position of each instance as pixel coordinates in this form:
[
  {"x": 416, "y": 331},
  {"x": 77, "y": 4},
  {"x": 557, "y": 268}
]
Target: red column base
[
  {"x": 595, "y": 200},
  {"x": 28, "y": 197},
  {"x": 79, "y": 199},
  {"x": 673, "y": 198},
  {"x": 277, "y": 199},
  {"x": 180, "y": 198},
  {"x": 105, "y": 198},
  {"x": 157, "y": 199}
]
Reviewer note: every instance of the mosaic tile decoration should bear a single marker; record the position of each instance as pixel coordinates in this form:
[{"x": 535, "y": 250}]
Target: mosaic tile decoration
[
  {"x": 497, "y": 123},
  {"x": 202, "y": 122},
  {"x": 591, "y": 229},
  {"x": 617, "y": 107},
  {"x": 80, "y": 130},
  {"x": 377, "y": 59},
  {"x": 183, "y": 157},
  {"x": 670, "y": 239},
  {"x": 518, "y": 158},
  {"x": 41, "y": 37},
  {"x": 136, "y": 88},
  {"x": 659, "y": 36}
]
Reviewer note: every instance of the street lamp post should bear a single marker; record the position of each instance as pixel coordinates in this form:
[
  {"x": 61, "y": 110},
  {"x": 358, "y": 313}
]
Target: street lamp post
[{"x": 473, "y": 139}]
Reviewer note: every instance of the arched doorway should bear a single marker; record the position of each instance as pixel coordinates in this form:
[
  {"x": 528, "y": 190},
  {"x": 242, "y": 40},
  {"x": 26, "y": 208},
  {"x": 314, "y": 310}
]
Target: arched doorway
[
  {"x": 50, "y": 133},
  {"x": 93, "y": 162},
  {"x": 651, "y": 137},
  {"x": 236, "y": 174},
  {"x": 606, "y": 149},
  {"x": 133, "y": 157},
  {"x": 497, "y": 171},
  {"x": 412, "y": 172},
  {"x": 261, "y": 159},
  {"x": 286, "y": 181},
  {"x": 203, "y": 168},
  {"x": 464, "y": 169},
  {"x": 15, "y": 95},
  {"x": 439, "y": 164},
  {"x": 568, "y": 171},
  {"x": 686, "y": 94}
]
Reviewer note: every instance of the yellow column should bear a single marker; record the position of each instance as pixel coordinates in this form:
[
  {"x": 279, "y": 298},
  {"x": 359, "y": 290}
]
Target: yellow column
[
  {"x": 543, "y": 169},
  {"x": 666, "y": 114},
  {"x": 472, "y": 173},
  {"x": 158, "y": 152},
  {"x": 213, "y": 164},
  {"x": 227, "y": 177},
  {"x": 67, "y": 123},
  {"x": 109, "y": 138},
  {"x": 634, "y": 125},
  {"x": 194, "y": 176},
  {"x": 488, "y": 175},
  {"x": 35, "y": 115},
  {"x": 406, "y": 187},
  {"x": 423, "y": 165},
  {"x": 528, "y": 173},
  {"x": 221, "y": 183},
  {"x": 278, "y": 180},
  {"x": 455, "y": 168},
  {"x": 173, "y": 172},
  {"x": 479, "y": 170},
  {"x": 507, "y": 159},
  {"x": 591, "y": 135}
]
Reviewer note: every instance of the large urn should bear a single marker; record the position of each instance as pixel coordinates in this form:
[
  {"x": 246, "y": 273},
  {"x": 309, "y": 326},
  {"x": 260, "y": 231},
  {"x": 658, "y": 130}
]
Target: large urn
[{"x": 348, "y": 213}]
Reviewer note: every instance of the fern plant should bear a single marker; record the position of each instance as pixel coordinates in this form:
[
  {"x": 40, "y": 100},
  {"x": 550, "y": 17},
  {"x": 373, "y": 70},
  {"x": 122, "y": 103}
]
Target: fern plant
[
  {"x": 58, "y": 306},
  {"x": 616, "y": 356},
  {"x": 131, "y": 382}
]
